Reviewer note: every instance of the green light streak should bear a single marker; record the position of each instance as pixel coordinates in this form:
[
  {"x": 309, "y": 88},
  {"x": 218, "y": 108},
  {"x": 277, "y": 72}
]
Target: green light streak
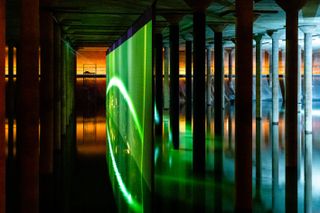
[
  {"x": 116, "y": 82},
  {"x": 128, "y": 197}
]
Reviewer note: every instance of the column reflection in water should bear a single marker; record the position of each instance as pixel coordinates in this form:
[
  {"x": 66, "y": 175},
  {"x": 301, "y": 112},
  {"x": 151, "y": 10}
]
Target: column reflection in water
[
  {"x": 259, "y": 140},
  {"x": 275, "y": 165},
  {"x": 308, "y": 174}
]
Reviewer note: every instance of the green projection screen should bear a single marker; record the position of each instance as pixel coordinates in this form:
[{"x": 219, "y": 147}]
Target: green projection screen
[{"x": 129, "y": 117}]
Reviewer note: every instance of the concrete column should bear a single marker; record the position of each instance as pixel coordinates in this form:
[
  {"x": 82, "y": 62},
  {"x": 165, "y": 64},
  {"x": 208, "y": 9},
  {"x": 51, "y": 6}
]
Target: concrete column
[
  {"x": 63, "y": 93},
  {"x": 258, "y": 39},
  {"x": 189, "y": 80},
  {"x": 159, "y": 82},
  {"x": 308, "y": 174},
  {"x": 291, "y": 119},
  {"x": 199, "y": 130},
  {"x": 28, "y": 107},
  {"x": 166, "y": 76},
  {"x": 57, "y": 87},
  {"x": 46, "y": 94},
  {"x": 218, "y": 84},
  {"x": 308, "y": 77},
  {"x": 10, "y": 105},
  {"x": 209, "y": 75},
  {"x": 243, "y": 106},
  {"x": 299, "y": 81},
  {"x": 275, "y": 76},
  {"x": 2, "y": 107},
  {"x": 174, "y": 83}
]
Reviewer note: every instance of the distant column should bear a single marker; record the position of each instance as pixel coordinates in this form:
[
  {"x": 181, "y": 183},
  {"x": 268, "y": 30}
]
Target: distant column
[
  {"x": 166, "y": 76},
  {"x": 10, "y": 99},
  {"x": 189, "y": 80},
  {"x": 258, "y": 39},
  {"x": 174, "y": 83},
  {"x": 229, "y": 51},
  {"x": 28, "y": 107},
  {"x": 270, "y": 67},
  {"x": 299, "y": 80},
  {"x": 308, "y": 77},
  {"x": 2, "y": 106},
  {"x": 243, "y": 106},
  {"x": 275, "y": 76},
  {"x": 209, "y": 76},
  {"x": 159, "y": 82},
  {"x": 57, "y": 87}
]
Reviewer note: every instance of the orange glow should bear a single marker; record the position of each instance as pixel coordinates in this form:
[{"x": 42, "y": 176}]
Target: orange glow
[{"x": 92, "y": 56}]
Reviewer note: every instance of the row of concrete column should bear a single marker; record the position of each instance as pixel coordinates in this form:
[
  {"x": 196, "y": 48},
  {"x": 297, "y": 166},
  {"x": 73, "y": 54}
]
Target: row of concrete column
[
  {"x": 243, "y": 96},
  {"x": 49, "y": 98}
]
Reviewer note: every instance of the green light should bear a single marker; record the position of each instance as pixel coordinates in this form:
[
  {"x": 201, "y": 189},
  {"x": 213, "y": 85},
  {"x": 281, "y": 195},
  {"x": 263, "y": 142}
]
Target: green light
[
  {"x": 116, "y": 82},
  {"x": 126, "y": 194}
]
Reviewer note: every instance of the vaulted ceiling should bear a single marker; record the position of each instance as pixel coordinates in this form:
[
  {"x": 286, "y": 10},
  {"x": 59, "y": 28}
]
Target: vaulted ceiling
[{"x": 101, "y": 22}]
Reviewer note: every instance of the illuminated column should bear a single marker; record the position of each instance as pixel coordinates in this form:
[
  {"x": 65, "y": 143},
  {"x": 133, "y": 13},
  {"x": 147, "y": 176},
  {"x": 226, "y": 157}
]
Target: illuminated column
[
  {"x": 218, "y": 82},
  {"x": 270, "y": 67},
  {"x": 166, "y": 76},
  {"x": 174, "y": 83},
  {"x": 283, "y": 53},
  {"x": 28, "y": 107},
  {"x": 57, "y": 87},
  {"x": 243, "y": 106},
  {"x": 308, "y": 76},
  {"x": 209, "y": 76},
  {"x": 229, "y": 51},
  {"x": 275, "y": 75},
  {"x": 299, "y": 80},
  {"x": 189, "y": 80},
  {"x": 291, "y": 119},
  {"x": 10, "y": 99},
  {"x": 258, "y": 39},
  {"x": 199, "y": 131},
  {"x": 2, "y": 107},
  {"x": 158, "y": 82},
  {"x": 46, "y": 93}
]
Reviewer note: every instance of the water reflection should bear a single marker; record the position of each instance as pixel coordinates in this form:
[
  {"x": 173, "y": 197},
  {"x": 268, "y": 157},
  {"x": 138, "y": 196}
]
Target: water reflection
[{"x": 215, "y": 191}]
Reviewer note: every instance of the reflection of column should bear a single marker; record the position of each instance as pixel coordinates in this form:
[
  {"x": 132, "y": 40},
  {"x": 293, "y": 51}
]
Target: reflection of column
[
  {"x": 299, "y": 141},
  {"x": 174, "y": 83},
  {"x": 209, "y": 76},
  {"x": 166, "y": 76},
  {"x": 275, "y": 165},
  {"x": 188, "y": 81},
  {"x": 243, "y": 106},
  {"x": 2, "y": 107},
  {"x": 158, "y": 82},
  {"x": 275, "y": 76},
  {"x": 308, "y": 77},
  {"x": 28, "y": 101},
  {"x": 258, "y": 39},
  {"x": 308, "y": 174},
  {"x": 258, "y": 158}
]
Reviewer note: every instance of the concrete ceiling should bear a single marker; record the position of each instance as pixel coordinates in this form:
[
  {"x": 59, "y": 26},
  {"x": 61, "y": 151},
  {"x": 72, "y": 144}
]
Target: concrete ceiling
[{"x": 101, "y": 22}]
